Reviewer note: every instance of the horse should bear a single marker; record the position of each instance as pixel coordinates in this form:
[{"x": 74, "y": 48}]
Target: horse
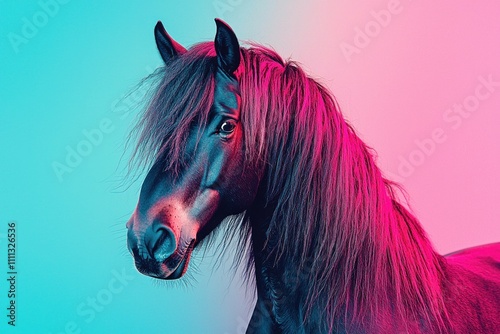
[{"x": 238, "y": 135}]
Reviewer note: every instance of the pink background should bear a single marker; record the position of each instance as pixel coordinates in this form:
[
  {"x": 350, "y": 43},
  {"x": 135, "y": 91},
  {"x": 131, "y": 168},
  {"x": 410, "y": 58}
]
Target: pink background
[{"x": 397, "y": 90}]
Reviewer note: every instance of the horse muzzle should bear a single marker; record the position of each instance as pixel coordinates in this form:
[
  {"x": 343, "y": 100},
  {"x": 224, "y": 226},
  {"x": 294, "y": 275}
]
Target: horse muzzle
[{"x": 159, "y": 252}]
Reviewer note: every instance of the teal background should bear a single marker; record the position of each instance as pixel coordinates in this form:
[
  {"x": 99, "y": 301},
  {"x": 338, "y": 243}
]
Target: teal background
[
  {"x": 76, "y": 71},
  {"x": 73, "y": 74}
]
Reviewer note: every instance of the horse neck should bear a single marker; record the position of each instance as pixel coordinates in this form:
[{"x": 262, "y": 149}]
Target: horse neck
[
  {"x": 323, "y": 209},
  {"x": 396, "y": 265}
]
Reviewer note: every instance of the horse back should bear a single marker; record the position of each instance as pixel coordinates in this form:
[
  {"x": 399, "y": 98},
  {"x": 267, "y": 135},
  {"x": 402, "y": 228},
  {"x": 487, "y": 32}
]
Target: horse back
[{"x": 472, "y": 289}]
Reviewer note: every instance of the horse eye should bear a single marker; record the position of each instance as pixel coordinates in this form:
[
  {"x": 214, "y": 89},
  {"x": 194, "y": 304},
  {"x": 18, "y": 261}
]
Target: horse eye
[{"x": 227, "y": 128}]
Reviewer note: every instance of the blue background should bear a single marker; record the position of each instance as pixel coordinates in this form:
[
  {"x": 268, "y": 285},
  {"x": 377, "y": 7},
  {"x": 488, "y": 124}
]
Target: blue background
[{"x": 75, "y": 72}]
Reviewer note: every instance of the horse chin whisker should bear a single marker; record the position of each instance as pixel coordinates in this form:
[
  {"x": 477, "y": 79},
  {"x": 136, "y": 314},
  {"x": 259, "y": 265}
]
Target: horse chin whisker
[
  {"x": 185, "y": 282},
  {"x": 125, "y": 253}
]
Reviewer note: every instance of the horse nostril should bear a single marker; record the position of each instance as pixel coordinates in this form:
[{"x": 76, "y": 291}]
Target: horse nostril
[{"x": 161, "y": 243}]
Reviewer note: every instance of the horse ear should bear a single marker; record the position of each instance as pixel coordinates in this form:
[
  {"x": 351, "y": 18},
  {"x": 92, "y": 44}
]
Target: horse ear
[
  {"x": 226, "y": 47},
  {"x": 166, "y": 45}
]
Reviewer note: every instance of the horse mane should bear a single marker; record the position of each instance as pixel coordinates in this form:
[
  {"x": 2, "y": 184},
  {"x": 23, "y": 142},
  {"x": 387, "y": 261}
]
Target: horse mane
[
  {"x": 337, "y": 219},
  {"x": 183, "y": 96}
]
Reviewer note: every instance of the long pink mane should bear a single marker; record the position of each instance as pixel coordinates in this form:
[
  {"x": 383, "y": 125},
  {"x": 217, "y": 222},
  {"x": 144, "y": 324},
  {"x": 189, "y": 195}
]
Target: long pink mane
[
  {"x": 333, "y": 205},
  {"x": 337, "y": 219}
]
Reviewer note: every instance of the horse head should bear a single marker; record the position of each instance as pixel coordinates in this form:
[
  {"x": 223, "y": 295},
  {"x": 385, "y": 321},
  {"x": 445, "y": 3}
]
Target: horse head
[{"x": 180, "y": 206}]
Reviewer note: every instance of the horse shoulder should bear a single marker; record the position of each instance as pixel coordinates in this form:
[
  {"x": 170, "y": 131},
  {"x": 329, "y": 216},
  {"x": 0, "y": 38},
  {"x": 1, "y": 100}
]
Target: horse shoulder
[
  {"x": 483, "y": 260},
  {"x": 472, "y": 289}
]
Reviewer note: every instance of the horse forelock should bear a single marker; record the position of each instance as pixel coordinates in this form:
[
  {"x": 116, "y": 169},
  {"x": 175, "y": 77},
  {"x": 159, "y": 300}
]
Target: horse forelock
[{"x": 183, "y": 97}]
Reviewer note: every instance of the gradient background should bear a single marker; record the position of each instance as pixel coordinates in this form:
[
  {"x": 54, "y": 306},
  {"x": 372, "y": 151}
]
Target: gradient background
[{"x": 78, "y": 67}]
